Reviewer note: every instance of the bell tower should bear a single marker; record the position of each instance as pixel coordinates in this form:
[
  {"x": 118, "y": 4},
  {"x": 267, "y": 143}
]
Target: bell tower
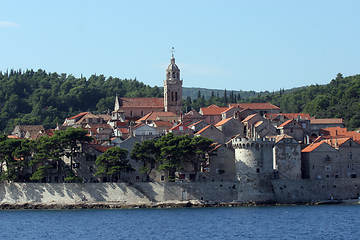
[{"x": 173, "y": 88}]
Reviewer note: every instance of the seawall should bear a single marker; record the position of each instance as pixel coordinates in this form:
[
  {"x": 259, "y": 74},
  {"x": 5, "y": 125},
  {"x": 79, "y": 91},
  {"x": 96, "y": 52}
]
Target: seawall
[{"x": 123, "y": 194}]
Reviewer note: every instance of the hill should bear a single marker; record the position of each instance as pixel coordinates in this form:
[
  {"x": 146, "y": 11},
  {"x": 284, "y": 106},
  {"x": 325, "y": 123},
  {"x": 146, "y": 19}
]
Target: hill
[{"x": 29, "y": 97}]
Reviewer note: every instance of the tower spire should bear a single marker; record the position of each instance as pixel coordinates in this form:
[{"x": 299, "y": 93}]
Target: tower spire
[{"x": 172, "y": 52}]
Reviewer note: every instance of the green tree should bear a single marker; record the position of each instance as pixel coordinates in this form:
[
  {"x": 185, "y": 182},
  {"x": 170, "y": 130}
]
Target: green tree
[
  {"x": 112, "y": 163},
  {"x": 146, "y": 152}
]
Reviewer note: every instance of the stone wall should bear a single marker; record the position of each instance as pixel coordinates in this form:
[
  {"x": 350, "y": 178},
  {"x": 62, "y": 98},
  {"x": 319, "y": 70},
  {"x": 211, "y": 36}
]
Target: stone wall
[
  {"x": 308, "y": 190},
  {"x": 281, "y": 191}
]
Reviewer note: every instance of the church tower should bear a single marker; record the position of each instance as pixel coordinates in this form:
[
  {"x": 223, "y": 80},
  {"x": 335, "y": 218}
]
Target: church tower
[{"x": 173, "y": 88}]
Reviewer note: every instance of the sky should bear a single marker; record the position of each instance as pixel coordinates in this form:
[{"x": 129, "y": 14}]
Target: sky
[{"x": 234, "y": 44}]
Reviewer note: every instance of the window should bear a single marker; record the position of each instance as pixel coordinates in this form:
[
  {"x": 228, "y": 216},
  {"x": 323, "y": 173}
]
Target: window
[
  {"x": 327, "y": 158},
  {"x": 181, "y": 176},
  {"x": 350, "y": 155},
  {"x": 328, "y": 168},
  {"x": 162, "y": 178},
  {"x": 130, "y": 113},
  {"x": 90, "y": 169},
  {"x": 176, "y": 96},
  {"x": 353, "y": 175},
  {"x": 258, "y": 170},
  {"x": 142, "y": 113},
  {"x": 172, "y": 96}
]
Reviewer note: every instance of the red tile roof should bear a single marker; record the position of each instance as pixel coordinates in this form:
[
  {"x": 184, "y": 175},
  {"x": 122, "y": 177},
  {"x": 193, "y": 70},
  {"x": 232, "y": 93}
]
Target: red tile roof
[
  {"x": 249, "y": 117},
  {"x": 255, "y": 106},
  {"x": 288, "y": 122},
  {"x": 337, "y": 142},
  {"x": 154, "y": 115},
  {"x": 228, "y": 109},
  {"x": 178, "y": 126},
  {"x": 288, "y": 115},
  {"x": 338, "y": 132},
  {"x": 203, "y": 130},
  {"x": 222, "y": 122},
  {"x": 212, "y": 110},
  {"x": 312, "y": 147},
  {"x": 327, "y": 121},
  {"x": 160, "y": 123},
  {"x": 141, "y": 102},
  {"x": 79, "y": 115},
  {"x": 101, "y": 148},
  {"x": 195, "y": 123}
]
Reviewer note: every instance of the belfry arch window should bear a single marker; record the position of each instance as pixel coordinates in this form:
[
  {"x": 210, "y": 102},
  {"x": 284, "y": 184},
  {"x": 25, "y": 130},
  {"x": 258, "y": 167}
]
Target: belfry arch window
[
  {"x": 173, "y": 74},
  {"x": 172, "y": 96},
  {"x": 178, "y": 75},
  {"x": 175, "y": 96}
]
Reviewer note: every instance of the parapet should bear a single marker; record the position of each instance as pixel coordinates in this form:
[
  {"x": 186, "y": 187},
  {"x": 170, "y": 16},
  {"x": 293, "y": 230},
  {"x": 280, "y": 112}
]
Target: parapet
[{"x": 242, "y": 142}]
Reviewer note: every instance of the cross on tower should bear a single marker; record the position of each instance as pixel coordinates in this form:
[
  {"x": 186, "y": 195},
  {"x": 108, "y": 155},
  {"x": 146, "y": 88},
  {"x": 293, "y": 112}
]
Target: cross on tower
[{"x": 172, "y": 51}]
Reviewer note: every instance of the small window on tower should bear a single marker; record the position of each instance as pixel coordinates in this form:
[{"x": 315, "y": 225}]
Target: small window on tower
[{"x": 175, "y": 96}]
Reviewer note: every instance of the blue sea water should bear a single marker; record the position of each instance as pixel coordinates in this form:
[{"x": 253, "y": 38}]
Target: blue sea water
[{"x": 275, "y": 222}]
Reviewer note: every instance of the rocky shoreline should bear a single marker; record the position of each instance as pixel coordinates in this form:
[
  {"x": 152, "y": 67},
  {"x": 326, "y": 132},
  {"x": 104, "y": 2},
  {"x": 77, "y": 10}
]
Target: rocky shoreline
[{"x": 121, "y": 205}]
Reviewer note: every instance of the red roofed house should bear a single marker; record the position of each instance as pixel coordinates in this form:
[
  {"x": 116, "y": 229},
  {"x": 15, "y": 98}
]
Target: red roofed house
[
  {"x": 231, "y": 127},
  {"x": 181, "y": 129},
  {"x": 331, "y": 158},
  {"x": 317, "y": 124},
  {"x": 213, "y": 133},
  {"x": 212, "y": 114},
  {"x": 192, "y": 117},
  {"x": 261, "y": 108},
  {"x": 338, "y": 132},
  {"x": 161, "y": 126},
  {"x": 315, "y": 160},
  {"x": 292, "y": 128}
]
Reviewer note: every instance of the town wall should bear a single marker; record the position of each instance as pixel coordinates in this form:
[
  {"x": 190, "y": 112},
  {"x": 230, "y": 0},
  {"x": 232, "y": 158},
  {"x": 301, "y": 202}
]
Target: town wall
[{"x": 280, "y": 191}]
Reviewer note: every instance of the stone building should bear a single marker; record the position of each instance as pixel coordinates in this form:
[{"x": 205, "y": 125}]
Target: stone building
[
  {"x": 230, "y": 127},
  {"x": 287, "y": 157},
  {"x": 331, "y": 158},
  {"x": 292, "y": 128}
]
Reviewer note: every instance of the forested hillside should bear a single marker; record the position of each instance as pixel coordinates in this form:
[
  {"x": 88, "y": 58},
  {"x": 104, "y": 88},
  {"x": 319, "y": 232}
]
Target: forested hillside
[
  {"x": 338, "y": 99},
  {"x": 48, "y": 98}
]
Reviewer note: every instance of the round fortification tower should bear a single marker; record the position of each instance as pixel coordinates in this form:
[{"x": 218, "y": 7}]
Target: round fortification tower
[{"x": 253, "y": 158}]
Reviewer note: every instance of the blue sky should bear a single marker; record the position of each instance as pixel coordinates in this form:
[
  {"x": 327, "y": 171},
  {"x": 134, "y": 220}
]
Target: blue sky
[{"x": 233, "y": 45}]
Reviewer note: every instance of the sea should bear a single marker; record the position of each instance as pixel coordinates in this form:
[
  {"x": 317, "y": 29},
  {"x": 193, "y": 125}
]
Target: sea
[{"x": 273, "y": 222}]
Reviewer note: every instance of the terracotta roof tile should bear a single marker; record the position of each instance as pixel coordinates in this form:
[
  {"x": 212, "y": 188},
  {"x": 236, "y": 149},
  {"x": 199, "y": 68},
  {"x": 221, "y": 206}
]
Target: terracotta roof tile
[
  {"x": 212, "y": 110},
  {"x": 155, "y": 115},
  {"x": 141, "y": 102},
  {"x": 288, "y": 115},
  {"x": 249, "y": 117},
  {"x": 203, "y": 130},
  {"x": 80, "y": 115},
  {"x": 327, "y": 121},
  {"x": 288, "y": 122},
  {"x": 160, "y": 123},
  {"x": 312, "y": 147},
  {"x": 222, "y": 122},
  {"x": 101, "y": 148}
]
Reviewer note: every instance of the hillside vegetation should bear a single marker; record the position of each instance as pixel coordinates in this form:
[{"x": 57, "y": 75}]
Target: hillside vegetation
[{"x": 48, "y": 98}]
